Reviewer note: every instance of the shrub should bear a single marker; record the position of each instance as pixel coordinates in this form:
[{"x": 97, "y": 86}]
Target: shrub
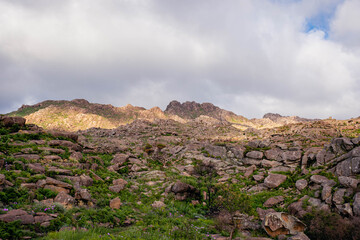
[{"x": 324, "y": 225}]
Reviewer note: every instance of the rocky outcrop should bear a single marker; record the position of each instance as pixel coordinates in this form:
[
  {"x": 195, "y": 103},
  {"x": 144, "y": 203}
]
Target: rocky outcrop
[{"x": 280, "y": 223}]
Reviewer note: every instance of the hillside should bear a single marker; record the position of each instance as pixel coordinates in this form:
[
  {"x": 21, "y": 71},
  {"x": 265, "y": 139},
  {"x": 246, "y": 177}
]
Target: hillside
[
  {"x": 79, "y": 114},
  {"x": 170, "y": 180}
]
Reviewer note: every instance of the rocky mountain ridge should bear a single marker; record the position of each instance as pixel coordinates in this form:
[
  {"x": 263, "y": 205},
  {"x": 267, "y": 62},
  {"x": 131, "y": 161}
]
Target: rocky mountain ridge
[{"x": 79, "y": 114}]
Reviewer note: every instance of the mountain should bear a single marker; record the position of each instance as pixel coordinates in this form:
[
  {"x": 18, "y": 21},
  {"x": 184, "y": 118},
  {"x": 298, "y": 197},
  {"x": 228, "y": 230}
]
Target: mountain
[{"x": 79, "y": 114}]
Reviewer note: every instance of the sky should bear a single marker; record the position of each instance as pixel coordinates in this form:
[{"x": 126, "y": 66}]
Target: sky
[{"x": 293, "y": 57}]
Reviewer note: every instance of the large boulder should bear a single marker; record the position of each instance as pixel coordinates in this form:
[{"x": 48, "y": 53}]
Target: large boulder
[
  {"x": 17, "y": 214},
  {"x": 11, "y": 121},
  {"x": 64, "y": 199},
  {"x": 255, "y": 155},
  {"x": 280, "y": 223},
  {"x": 115, "y": 203},
  {"x": 274, "y": 180},
  {"x": 183, "y": 190}
]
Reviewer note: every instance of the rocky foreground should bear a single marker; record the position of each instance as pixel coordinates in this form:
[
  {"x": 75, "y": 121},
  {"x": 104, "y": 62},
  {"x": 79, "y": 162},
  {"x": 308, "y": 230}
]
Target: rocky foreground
[{"x": 164, "y": 179}]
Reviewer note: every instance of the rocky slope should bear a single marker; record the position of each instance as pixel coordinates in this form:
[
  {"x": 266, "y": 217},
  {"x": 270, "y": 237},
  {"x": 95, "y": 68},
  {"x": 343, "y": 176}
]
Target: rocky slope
[
  {"x": 79, "y": 114},
  {"x": 164, "y": 179}
]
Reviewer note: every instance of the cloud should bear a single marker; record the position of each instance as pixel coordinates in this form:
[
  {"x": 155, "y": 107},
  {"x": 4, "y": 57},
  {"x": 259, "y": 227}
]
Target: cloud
[{"x": 250, "y": 57}]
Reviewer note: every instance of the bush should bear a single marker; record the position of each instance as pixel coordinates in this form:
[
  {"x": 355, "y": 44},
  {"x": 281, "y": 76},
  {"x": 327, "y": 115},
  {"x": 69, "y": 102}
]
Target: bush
[{"x": 324, "y": 225}]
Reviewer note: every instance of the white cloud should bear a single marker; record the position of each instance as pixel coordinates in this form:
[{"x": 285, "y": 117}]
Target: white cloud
[{"x": 250, "y": 57}]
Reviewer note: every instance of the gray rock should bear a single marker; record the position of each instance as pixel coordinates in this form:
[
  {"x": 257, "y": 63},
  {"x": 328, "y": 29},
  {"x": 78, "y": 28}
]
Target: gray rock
[
  {"x": 318, "y": 179},
  {"x": 356, "y": 204},
  {"x": 270, "y": 164},
  {"x": 314, "y": 202},
  {"x": 301, "y": 184},
  {"x": 274, "y": 180},
  {"x": 291, "y": 155},
  {"x": 326, "y": 194},
  {"x": 76, "y": 156},
  {"x": 273, "y": 201},
  {"x": 120, "y": 159},
  {"x": 323, "y": 157},
  {"x": 255, "y": 155},
  {"x": 338, "y": 197},
  {"x": 64, "y": 199},
  {"x": 274, "y": 154},
  {"x": 348, "y": 182}
]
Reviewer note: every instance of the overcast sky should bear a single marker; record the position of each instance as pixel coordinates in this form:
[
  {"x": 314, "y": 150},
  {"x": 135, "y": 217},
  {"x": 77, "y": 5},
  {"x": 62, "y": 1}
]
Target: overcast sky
[{"x": 293, "y": 57}]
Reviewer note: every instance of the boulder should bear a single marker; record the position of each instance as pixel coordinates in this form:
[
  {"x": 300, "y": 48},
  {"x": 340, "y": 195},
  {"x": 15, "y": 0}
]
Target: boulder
[
  {"x": 318, "y": 179},
  {"x": 183, "y": 191},
  {"x": 341, "y": 145},
  {"x": 274, "y": 154},
  {"x": 356, "y": 204},
  {"x": 83, "y": 194},
  {"x": 11, "y": 121},
  {"x": 255, "y": 155},
  {"x": 29, "y": 157},
  {"x": 274, "y": 180},
  {"x": 115, "y": 203},
  {"x": 279, "y": 223},
  {"x": 120, "y": 159},
  {"x": 273, "y": 201},
  {"x": 86, "y": 180},
  {"x": 291, "y": 155},
  {"x": 76, "y": 156},
  {"x": 338, "y": 197},
  {"x": 65, "y": 143},
  {"x": 36, "y": 167},
  {"x": 270, "y": 164},
  {"x": 301, "y": 184},
  {"x": 326, "y": 194},
  {"x": 17, "y": 214},
  {"x": 323, "y": 157},
  {"x": 64, "y": 199},
  {"x": 348, "y": 182}
]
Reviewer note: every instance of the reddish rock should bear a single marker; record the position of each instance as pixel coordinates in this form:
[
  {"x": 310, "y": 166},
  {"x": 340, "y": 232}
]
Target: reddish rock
[
  {"x": 116, "y": 188},
  {"x": 64, "y": 199},
  {"x": 158, "y": 204},
  {"x": 274, "y": 180},
  {"x": 115, "y": 203},
  {"x": 36, "y": 167},
  {"x": 86, "y": 180},
  {"x": 279, "y": 223},
  {"x": 318, "y": 179},
  {"x": 65, "y": 143},
  {"x": 52, "y": 150},
  {"x": 83, "y": 194},
  {"x": 17, "y": 214},
  {"x": 29, "y": 185},
  {"x": 28, "y": 157},
  {"x": 76, "y": 156},
  {"x": 120, "y": 159},
  {"x": 255, "y": 155},
  {"x": 273, "y": 201},
  {"x": 52, "y": 181},
  {"x": 11, "y": 121},
  {"x": 56, "y": 189}
]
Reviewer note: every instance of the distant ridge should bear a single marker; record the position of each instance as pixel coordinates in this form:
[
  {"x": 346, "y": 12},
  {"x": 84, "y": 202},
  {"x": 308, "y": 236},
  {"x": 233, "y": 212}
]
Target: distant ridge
[{"x": 80, "y": 114}]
